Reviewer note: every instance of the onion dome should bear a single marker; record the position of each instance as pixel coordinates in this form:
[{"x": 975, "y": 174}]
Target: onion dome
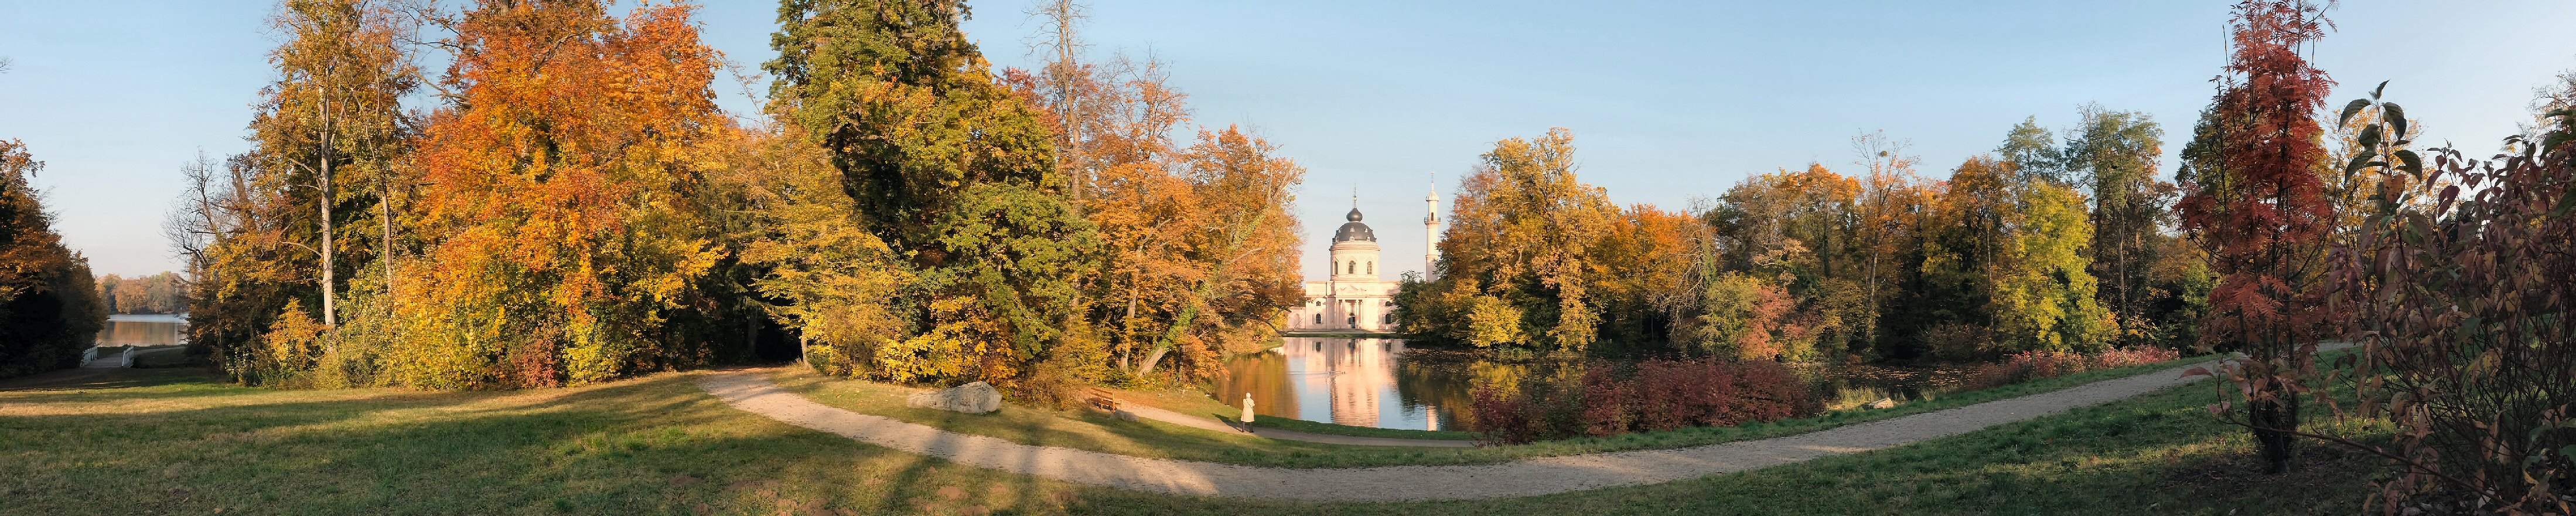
[{"x": 1354, "y": 231}]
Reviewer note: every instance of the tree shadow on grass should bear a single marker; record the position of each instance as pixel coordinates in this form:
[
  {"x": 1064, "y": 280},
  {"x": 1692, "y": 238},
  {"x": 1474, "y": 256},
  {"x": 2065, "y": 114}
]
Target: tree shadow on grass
[{"x": 655, "y": 445}]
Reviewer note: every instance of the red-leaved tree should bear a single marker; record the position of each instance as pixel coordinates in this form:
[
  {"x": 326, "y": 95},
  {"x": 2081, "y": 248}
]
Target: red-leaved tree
[{"x": 2263, "y": 217}]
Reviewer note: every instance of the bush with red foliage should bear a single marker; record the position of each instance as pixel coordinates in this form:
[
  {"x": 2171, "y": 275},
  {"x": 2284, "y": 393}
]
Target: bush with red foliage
[
  {"x": 2033, "y": 365},
  {"x": 1654, "y": 395}
]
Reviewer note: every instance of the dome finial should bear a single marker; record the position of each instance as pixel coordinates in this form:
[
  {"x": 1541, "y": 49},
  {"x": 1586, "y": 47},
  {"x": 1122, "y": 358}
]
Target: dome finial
[{"x": 1355, "y": 205}]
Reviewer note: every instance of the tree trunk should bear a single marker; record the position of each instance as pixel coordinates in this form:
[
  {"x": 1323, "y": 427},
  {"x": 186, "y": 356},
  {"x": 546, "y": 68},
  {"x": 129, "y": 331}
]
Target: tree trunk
[
  {"x": 330, "y": 287},
  {"x": 2272, "y": 425}
]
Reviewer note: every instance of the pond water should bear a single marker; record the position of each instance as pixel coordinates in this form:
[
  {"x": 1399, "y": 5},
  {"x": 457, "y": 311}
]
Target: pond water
[
  {"x": 144, "y": 330},
  {"x": 1382, "y": 383}
]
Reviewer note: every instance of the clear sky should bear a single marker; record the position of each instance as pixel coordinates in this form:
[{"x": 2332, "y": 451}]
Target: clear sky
[{"x": 1668, "y": 101}]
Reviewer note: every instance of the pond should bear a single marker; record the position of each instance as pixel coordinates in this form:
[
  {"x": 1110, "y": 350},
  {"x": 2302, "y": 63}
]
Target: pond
[
  {"x": 1383, "y": 383},
  {"x": 144, "y": 330}
]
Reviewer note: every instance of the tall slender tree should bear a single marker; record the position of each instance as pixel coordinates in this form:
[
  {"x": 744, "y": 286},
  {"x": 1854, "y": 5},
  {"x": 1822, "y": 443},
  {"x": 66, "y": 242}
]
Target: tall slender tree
[
  {"x": 334, "y": 117},
  {"x": 2263, "y": 215},
  {"x": 2114, "y": 154}
]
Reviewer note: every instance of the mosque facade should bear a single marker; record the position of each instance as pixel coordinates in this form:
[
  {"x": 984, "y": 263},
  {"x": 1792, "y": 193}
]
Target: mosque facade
[{"x": 1354, "y": 298}]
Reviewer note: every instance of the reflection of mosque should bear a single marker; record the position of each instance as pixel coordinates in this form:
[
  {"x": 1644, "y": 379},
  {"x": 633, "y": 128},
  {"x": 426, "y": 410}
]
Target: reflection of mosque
[{"x": 1355, "y": 377}]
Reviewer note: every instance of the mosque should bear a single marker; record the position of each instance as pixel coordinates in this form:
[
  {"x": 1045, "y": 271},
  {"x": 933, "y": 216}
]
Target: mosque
[{"x": 1353, "y": 298}]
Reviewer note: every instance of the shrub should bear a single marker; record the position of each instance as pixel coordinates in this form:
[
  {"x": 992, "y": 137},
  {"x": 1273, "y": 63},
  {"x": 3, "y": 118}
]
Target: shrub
[
  {"x": 2033, "y": 365},
  {"x": 2467, "y": 323},
  {"x": 1654, "y": 395}
]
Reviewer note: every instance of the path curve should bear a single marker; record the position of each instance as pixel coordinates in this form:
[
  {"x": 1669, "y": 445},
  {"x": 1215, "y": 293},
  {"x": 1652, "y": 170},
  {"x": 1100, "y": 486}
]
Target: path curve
[{"x": 751, "y": 391}]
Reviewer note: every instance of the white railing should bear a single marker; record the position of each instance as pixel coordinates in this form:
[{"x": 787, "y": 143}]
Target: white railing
[{"x": 89, "y": 355}]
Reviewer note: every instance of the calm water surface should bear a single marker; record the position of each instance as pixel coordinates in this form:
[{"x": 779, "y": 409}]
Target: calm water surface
[
  {"x": 143, "y": 330},
  {"x": 1382, "y": 383}
]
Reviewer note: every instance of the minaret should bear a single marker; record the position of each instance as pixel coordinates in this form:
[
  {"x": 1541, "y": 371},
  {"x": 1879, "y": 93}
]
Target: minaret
[{"x": 1431, "y": 228}]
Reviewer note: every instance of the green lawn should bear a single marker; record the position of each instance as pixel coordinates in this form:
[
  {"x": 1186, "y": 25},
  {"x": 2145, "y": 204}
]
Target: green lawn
[
  {"x": 171, "y": 441},
  {"x": 1090, "y": 430}
]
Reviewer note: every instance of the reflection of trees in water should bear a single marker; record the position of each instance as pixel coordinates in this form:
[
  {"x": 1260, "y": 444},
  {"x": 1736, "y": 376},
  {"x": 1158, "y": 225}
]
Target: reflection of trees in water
[
  {"x": 140, "y": 333},
  {"x": 1845, "y": 386},
  {"x": 1249, "y": 373},
  {"x": 1349, "y": 379},
  {"x": 1448, "y": 379}
]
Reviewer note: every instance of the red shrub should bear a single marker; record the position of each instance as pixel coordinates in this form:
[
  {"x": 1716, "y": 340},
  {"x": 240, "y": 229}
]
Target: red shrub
[
  {"x": 1653, "y": 395},
  {"x": 2033, "y": 365}
]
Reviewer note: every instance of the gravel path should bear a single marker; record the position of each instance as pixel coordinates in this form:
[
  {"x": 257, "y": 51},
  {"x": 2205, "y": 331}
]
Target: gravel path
[{"x": 752, "y": 392}]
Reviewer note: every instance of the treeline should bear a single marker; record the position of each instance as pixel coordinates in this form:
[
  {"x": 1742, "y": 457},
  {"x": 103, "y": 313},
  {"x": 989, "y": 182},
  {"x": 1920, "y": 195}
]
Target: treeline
[
  {"x": 2055, "y": 242},
  {"x": 576, "y": 208},
  {"x": 49, "y": 309},
  {"x": 164, "y": 293}
]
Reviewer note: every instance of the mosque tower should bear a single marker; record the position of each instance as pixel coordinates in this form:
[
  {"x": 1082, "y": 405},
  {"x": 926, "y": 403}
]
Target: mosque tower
[{"x": 1431, "y": 229}]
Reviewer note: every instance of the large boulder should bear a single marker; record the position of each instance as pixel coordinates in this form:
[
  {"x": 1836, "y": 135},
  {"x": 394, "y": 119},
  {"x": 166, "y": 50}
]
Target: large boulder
[{"x": 973, "y": 398}]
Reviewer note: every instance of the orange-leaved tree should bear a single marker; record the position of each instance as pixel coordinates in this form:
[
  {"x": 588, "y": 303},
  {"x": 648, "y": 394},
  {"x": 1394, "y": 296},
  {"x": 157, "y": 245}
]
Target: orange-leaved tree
[
  {"x": 2264, "y": 216},
  {"x": 557, "y": 211}
]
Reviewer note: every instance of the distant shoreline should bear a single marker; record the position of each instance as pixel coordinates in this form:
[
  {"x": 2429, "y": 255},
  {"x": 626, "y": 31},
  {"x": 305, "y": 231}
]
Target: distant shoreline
[{"x": 166, "y": 318}]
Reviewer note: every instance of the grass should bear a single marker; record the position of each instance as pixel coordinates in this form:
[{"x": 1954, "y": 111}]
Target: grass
[
  {"x": 175, "y": 441},
  {"x": 1088, "y": 430},
  {"x": 169, "y": 441}
]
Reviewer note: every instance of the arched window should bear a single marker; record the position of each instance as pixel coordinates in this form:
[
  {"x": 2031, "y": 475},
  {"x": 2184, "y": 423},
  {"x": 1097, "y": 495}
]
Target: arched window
[
  {"x": 1351, "y": 268},
  {"x": 1390, "y": 319},
  {"x": 1319, "y": 319},
  {"x": 1372, "y": 267}
]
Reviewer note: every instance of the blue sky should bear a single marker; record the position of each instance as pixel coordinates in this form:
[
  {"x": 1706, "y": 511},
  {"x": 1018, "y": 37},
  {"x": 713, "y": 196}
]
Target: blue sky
[{"x": 1668, "y": 100}]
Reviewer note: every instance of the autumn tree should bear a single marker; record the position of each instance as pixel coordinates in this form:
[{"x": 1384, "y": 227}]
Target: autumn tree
[
  {"x": 1885, "y": 230},
  {"x": 288, "y": 222},
  {"x": 1799, "y": 230},
  {"x": 329, "y": 130},
  {"x": 2113, "y": 154},
  {"x": 49, "y": 307},
  {"x": 1964, "y": 240},
  {"x": 558, "y": 216},
  {"x": 952, "y": 170},
  {"x": 833, "y": 281},
  {"x": 2262, "y": 214},
  {"x": 2043, "y": 299},
  {"x": 1515, "y": 255}
]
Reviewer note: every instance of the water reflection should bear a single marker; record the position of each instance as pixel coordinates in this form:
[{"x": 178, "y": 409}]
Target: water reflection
[
  {"x": 143, "y": 330},
  {"x": 1382, "y": 383},
  {"x": 1335, "y": 380}
]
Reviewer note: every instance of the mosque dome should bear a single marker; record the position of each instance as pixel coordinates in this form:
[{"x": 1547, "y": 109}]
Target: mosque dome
[{"x": 1354, "y": 231}]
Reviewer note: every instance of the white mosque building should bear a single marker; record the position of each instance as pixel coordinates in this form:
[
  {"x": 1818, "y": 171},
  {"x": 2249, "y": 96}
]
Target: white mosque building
[{"x": 1353, "y": 298}]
